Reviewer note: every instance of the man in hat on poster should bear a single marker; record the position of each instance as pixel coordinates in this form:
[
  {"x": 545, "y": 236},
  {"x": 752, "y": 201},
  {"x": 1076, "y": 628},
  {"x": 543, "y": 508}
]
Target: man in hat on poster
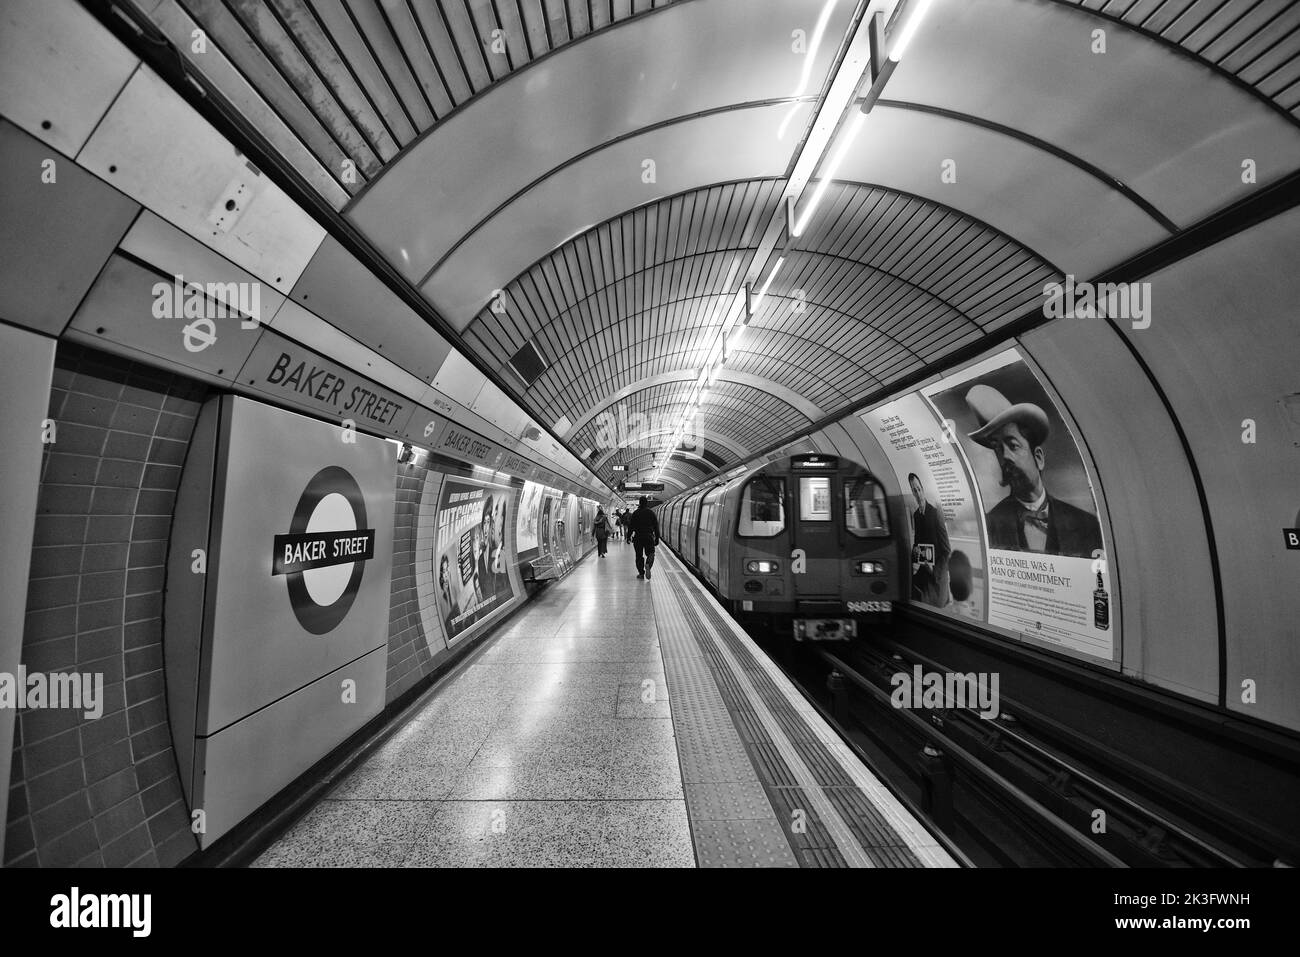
[{"x": 1027, "y": 520}]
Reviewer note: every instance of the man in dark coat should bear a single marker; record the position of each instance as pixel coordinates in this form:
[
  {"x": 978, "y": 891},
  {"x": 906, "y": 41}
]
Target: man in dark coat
[
  {"x": 930, "y": 549},
  {"x": 644, "y": 526},
  {"x": 1027, "y": 520}
]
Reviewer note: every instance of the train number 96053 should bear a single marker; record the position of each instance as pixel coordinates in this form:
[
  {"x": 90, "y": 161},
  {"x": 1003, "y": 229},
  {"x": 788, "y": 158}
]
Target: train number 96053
[{"x": 869, "y": 606}]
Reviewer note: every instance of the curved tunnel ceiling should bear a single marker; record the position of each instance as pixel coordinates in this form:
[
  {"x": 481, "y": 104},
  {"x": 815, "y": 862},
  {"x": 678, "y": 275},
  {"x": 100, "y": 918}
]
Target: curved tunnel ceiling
[{"x": 503, "y": 162}]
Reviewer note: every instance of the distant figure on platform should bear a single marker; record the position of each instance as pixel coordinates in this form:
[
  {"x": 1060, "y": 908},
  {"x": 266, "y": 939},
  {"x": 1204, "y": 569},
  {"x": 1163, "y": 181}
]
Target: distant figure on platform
[
  {"x": 1027, "y": 520},
  {"x": 644, "y": 526},
  {"x": 600, "y": 531},
  {"x": 930, "y": 549},
  {"x": 625, "y": 524}
]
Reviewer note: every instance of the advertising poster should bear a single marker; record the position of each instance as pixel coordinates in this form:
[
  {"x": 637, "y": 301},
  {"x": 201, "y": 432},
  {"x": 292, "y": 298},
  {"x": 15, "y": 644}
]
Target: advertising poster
[
  {"x": 469, "y": 552},
  {"x": 526, "y": 523},
  {"x": 1040, "y": 516},
  {"x": 545, "y": 524},
  {"x": 947, "y": 551}
]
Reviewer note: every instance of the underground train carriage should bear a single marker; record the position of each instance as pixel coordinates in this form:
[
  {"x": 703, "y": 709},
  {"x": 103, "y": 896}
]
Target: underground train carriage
[{"x": 804, "y": 545}]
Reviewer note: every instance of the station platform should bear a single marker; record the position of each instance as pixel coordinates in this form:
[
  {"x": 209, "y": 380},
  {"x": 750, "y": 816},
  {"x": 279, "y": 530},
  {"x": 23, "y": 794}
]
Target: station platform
[{"x": 612, "y": 722}]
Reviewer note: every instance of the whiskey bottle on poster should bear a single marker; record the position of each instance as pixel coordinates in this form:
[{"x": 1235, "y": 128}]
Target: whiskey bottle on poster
[{"x": 1101, "y": 605}]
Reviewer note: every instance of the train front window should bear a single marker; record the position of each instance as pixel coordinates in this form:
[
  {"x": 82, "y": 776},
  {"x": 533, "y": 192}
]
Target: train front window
[
  {"x": 865, "y": 514},
  {"x": 762, "y": 508},
  {"x": 814, "y": 498}
]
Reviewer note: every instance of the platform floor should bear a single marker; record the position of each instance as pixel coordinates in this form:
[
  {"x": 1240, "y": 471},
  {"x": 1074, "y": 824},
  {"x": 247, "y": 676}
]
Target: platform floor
[{"x": 612, "y": 723}]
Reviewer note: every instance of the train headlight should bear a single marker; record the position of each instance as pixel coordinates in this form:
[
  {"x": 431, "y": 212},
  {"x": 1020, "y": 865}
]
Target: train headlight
[
  {"x": 761, "y": 567},
  {"x": 870, "y": 568}
]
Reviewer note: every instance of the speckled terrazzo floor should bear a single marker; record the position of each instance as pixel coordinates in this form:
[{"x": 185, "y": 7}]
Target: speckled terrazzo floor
[{"x": 554, "y": 748}]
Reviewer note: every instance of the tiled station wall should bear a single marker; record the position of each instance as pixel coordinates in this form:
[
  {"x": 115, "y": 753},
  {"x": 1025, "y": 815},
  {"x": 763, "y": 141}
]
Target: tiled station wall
[
  {"x": 105, "y": 791},
  {"x": 409, "y": 658}
]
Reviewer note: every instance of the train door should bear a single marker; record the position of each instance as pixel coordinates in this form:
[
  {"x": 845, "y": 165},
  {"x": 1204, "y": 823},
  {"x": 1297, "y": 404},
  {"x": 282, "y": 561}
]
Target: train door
[{"x": 816, "y": 529}]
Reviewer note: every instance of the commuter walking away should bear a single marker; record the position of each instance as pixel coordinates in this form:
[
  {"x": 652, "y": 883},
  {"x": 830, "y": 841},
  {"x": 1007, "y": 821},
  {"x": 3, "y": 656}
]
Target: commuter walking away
[
  {"x": 644, "y": 526},
  {"x": 600, "y": 531}
]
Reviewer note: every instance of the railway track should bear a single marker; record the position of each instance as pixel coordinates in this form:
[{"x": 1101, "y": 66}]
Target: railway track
[{"x": 1013, "y": 790}]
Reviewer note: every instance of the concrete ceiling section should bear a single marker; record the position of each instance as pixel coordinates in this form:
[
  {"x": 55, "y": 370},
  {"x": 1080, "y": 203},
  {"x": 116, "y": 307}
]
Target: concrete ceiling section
[
  {"x": 59, "y": 71},
  {"x": 1129, "y": 114},
  {"x": 1074, "y": 221},
  {"x": 335, "y": 82},
  {"x": 604, "y": 203},
  {"x": 685, "y": 376},
  {"x": 889, "y": 282},
  {"x": 691, "y": 59},
  {"x": 336, "y": 286},
  {"x": 739, "y": 144},
  {"x": 1254, "y": 41}
]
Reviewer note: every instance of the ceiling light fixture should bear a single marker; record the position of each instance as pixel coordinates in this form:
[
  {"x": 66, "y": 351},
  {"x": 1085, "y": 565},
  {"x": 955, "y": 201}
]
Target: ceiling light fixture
[
  {"x": 758, "y": 300},
  {"x": 914, "y": 17},
  {"x": 846, "y": 143}
]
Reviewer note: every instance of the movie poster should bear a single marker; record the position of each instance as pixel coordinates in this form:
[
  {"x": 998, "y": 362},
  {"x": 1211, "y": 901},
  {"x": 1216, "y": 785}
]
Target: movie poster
[
  {"x": 470, "y": 554},
  {"x": 1047, "y": 579},
  {"x": 529, "y": 510},
  {"x": 946, "y": 545}
]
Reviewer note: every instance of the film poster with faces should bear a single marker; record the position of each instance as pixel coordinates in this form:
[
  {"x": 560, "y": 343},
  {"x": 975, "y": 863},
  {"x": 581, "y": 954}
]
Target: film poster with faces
[
  {"x": 529, "y": 513},
  {"x": 470, "y": 554},
  {"x": 1010, "y": 482},
  {"x": 947, "y": 545}
]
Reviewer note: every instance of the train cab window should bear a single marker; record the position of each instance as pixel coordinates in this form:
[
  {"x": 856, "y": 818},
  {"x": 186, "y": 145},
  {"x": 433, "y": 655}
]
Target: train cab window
[
  {"x": 814, "y": 498},
  {"x": 865, "y": 513},
  {"x": 762, "y": 508}
]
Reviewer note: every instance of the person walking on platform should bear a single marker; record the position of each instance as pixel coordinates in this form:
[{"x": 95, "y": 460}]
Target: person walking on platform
[
  {"x": 622, "y": 524},
  {"x": 600, "y": 531},
  {"x": 644, "y": 526}
]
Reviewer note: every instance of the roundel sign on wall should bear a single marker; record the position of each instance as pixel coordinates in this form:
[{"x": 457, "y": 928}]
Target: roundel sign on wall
[{"x": 324, "y": 555}]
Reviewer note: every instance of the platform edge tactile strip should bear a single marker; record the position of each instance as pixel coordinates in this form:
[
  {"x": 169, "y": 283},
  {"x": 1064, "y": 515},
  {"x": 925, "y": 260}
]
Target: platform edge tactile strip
[
  {"x": 870, "y": 827},
  {"x": 733, "y": 824}
]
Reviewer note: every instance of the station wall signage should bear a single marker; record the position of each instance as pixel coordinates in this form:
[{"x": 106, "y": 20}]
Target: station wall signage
[
  {"x": 463, "y": 444},
  {"x": 303, "y": 531},
  {"x": 293, "y": 374},
  {"x": 332, "y": 497}
]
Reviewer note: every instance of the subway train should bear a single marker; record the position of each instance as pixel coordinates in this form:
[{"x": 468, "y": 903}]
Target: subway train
[{"x": 804, "y": 544}]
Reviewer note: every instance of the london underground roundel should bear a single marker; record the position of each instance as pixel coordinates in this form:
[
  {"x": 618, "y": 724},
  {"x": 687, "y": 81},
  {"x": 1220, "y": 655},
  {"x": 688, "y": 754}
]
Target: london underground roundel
[{"x": 323, "y": 556}]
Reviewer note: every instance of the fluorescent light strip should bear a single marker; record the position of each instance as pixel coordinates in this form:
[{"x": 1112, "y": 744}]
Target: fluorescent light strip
[
  {"x": 770, "y": 276},
  {"x": 809, "y": 56},
  {"x": 914, "y": 18},
  {"x": 850, "y": 134}
]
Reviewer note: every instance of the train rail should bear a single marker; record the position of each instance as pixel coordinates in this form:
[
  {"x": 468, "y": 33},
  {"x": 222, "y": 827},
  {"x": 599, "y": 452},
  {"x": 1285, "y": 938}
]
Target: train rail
[{"x": 1013, "y": 790}]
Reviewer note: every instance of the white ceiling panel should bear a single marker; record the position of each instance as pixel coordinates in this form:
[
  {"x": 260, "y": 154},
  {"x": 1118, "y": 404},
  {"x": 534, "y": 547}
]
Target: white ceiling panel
[
  {"x": 1180, "y": 124},
  {"x": 194, "y": 181},
  {"x": 59, "y": 70},
  {"x": 742, "y": 144},
  {"x": 1068, "y": 217},
  {"x": 459, "y": 378},
  {"x": 671, "y": 65}
]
